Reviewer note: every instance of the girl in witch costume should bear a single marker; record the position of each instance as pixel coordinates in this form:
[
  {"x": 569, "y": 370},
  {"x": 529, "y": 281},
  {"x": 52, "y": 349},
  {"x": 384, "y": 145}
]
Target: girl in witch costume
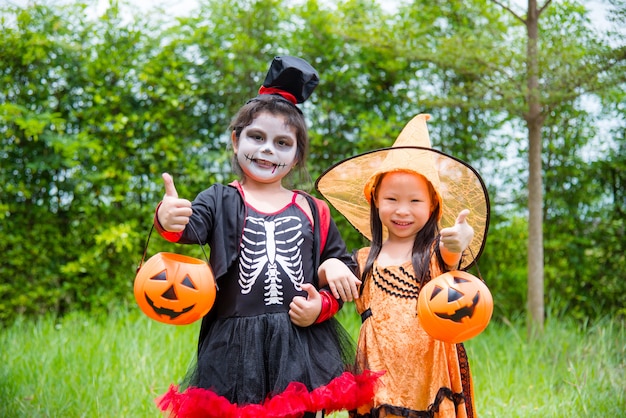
[
  {"x": 398, "y": 197},
  {"x": 270, "y": 346}
]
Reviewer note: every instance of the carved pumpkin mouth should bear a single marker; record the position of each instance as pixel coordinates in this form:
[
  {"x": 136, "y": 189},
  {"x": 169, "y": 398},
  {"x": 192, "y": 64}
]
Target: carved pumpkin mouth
[
  {"x": 461, "y": 313},
  {"x": 172, "y": 314}
]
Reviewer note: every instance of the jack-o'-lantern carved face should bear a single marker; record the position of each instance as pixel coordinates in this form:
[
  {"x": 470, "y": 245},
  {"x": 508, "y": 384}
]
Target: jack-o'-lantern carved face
[
  {"x": 455, "y": 306},
  {"x": 175, "y": 289}
]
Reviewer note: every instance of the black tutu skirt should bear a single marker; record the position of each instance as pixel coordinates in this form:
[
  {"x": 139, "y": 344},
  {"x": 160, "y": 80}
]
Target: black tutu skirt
[{"x": 265, "y": 366}]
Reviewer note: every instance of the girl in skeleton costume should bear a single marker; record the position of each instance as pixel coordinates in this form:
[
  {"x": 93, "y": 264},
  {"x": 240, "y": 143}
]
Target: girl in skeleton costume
[
  {"x": 398, "y": 197},
  {"x": 270, "y": 346}
]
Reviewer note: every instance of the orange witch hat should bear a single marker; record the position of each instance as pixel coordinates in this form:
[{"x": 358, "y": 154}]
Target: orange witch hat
[{"x": 348, "y": 184}]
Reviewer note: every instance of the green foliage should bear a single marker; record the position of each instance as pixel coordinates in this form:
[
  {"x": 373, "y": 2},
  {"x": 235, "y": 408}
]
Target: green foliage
[
  {"x": 503, "y": 266},
  {"x": 93, "y": 108}
]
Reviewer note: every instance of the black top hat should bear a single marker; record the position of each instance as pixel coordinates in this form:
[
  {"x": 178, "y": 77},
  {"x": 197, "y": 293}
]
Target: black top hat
[{"x": 292, "y": 78}]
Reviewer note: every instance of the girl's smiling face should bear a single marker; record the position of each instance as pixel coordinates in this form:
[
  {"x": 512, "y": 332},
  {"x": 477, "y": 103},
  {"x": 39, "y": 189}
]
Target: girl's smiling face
[
  {"x": 266, "y": 149},
  {"x": 404, "y": 203}
]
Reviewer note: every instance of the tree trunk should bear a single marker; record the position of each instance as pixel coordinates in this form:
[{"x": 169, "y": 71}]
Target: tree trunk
[{"x": 534, "y": 121}]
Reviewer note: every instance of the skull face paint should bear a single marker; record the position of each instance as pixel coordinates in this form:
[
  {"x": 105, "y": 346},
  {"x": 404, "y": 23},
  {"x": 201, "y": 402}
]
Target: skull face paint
[{"x": 266, "y": 149}]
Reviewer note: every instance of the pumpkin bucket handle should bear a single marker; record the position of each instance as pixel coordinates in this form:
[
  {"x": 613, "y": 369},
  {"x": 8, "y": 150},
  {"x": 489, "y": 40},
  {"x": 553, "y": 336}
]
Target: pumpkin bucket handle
[{"x": 145, "y": 250}]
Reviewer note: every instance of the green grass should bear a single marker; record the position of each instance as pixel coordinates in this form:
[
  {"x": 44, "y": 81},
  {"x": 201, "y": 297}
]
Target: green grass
[{"x": 115, "y": 366}]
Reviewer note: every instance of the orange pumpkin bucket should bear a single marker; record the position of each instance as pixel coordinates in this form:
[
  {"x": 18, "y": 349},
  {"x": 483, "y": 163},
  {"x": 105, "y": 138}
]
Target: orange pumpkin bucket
[
  {"x": 174, "y": 289},
  {"x": 455, "y": 306}
]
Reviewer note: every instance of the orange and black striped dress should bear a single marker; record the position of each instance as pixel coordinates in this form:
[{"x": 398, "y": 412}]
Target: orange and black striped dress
[{"x": 423, "y": 377}]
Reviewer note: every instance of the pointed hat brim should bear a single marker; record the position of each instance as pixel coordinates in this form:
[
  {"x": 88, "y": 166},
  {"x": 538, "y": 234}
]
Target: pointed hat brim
[{"x": 458, "y": 185}]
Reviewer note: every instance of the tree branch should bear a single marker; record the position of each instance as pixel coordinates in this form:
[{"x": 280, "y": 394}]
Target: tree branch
[
  {"x": 508, "y": 9},
  {"x": 542, "y": 8}
]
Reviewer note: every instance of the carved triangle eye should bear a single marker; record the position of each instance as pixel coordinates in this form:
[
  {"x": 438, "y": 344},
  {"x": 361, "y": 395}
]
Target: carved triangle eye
[
  {"x": 188, "y": 283},
  {"x": 162, "y": 276},
  {"x": 436, "y": 291}
]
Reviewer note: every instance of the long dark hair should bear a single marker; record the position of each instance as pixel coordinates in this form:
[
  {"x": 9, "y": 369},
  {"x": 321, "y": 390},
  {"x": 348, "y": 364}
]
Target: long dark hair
[{"x": 426, "y": 240}]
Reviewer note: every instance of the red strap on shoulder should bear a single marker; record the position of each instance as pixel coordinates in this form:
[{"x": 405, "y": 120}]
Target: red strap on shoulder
[
  {"x": 323, "y": 215},
  {"x": 324, "y": 219},
  {"x": 330, "y": 306}
]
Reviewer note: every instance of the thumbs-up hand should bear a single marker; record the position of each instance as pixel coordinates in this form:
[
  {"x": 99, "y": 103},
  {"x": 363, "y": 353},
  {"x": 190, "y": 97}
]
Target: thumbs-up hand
[
  {"x": 304, "y": 311},
  {"x": 173, "y": 213},
  {"x": 457, "y": 238}
]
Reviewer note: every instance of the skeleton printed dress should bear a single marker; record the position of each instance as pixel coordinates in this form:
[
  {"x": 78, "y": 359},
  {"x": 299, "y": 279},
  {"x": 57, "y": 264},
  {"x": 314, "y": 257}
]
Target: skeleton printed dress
[{"x": 252, "y": 360}]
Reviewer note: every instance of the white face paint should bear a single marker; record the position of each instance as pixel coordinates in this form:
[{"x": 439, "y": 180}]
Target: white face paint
[{"x": 266, "y": 149}]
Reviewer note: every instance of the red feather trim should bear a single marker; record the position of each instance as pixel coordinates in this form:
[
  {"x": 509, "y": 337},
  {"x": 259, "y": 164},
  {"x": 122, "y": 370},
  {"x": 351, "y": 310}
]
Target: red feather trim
[{"x": 345, "y": 392}]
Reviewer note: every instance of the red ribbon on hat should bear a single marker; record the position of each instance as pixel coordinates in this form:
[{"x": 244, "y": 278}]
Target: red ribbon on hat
[{"x": 283, "y": 93}]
